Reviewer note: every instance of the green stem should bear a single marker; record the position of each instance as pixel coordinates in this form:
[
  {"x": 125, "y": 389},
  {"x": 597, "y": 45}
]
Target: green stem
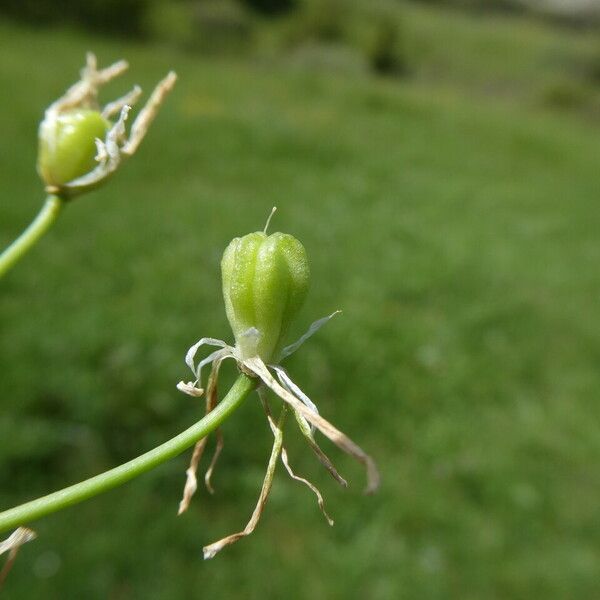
[
  {"x": 32, "y": 234},
  {"x": 21, "y": 515}
]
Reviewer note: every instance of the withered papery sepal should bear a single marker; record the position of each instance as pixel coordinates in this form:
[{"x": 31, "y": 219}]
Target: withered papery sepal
[{"x": 79, "y": 144}]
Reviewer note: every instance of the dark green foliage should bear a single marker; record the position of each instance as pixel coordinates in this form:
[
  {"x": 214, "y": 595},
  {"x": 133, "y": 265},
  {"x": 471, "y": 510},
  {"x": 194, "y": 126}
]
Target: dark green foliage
[
  {"x": 479, "y": 5},
  {"x": 321, "y": 20},
  {"x": 220, "y": 26},
  {"x": 271, "y": 7},
  {"x": 590, "y": 66},
  {"x": 371, "y": 33},
  {"x": 207, "y": 26},
  {"x": 567, "y": 94},
  {"x": 123, "y": 17},
  {"x": 386, "y": 55}
]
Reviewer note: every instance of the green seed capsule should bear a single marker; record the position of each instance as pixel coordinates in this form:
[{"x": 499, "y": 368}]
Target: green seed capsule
[
  {"x": 265, "y": 280},
  {"x": 67, "y": 144}
]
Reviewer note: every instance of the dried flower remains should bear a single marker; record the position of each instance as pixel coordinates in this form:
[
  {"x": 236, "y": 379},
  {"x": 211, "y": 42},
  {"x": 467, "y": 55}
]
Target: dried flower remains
[{"x": 264, "y": 283}]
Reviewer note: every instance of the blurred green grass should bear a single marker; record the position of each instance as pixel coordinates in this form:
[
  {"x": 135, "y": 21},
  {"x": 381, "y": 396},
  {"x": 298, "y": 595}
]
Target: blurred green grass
[{"x": 459, "y": 235}]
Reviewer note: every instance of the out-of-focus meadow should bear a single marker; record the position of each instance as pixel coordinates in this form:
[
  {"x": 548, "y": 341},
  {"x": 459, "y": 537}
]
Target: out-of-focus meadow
[{"x": 441, "y": 166}]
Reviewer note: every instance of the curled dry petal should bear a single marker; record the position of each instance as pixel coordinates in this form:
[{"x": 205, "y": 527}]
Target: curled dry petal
[
  {"x": 340, "y": 439},
  {"x": 75, "y": 122},
  {"x": 315, "y": 490},
  {"x": 16, "y": 539},
  {"x": 285, "y": 459},
  {"x": 11, "y": 545},
  {"x": 323, "y": 458},
  {"x": 211, "y": 550},
  {"x": 191, "y": 483}
]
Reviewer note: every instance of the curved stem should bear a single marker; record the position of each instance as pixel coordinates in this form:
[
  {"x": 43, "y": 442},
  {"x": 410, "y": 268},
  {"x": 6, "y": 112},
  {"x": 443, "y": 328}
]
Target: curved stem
[
  {"x": 89, "y": 488},
  {"x": 32, "y": 234}
]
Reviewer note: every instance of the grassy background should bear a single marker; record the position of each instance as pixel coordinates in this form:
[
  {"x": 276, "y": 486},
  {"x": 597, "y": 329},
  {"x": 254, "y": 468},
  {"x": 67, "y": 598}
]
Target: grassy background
[{"x": 455, "y": 225}]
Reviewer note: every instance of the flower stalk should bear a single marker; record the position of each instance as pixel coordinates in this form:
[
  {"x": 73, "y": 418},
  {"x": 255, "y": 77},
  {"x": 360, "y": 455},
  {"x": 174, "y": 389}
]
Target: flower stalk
[
  {"x": 26, "y": 513},
  {"x": 38, "y": 227}
]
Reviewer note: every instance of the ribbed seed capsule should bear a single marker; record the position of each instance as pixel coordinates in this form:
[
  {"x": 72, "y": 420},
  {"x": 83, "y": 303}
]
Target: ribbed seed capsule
[
  {"x": 265, "y": 280},
  {"x": 67, "y": 144}
]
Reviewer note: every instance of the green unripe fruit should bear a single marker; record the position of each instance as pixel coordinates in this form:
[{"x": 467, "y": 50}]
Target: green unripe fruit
[
  {"x": 265, "y": 280},
  {"x": 67, "y": 146}
]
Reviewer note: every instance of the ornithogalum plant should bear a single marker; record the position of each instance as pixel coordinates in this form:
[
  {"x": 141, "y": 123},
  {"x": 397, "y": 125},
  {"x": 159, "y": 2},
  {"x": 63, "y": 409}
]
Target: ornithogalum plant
[
  {"x": 81, "y": 144},
  {"x": 265, "y": 280}
]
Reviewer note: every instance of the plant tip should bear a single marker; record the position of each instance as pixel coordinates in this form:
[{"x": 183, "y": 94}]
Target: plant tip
[{"x": 273, "y": 210}]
